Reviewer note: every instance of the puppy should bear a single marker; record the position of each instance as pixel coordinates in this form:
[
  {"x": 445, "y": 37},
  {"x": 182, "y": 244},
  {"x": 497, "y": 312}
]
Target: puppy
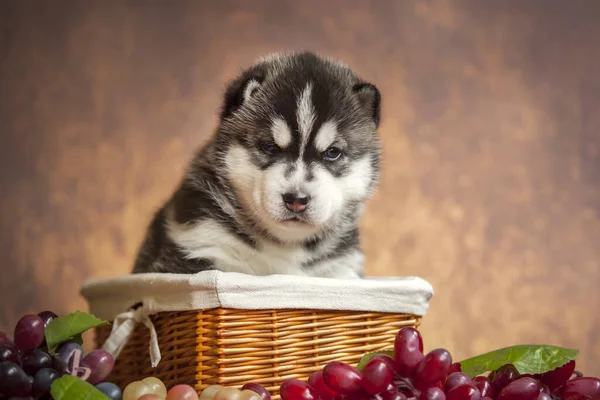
[{"x": 281, "y": 185}]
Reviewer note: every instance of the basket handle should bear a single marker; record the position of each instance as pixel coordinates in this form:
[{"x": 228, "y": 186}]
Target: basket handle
[{"x": 122, "y": 330}]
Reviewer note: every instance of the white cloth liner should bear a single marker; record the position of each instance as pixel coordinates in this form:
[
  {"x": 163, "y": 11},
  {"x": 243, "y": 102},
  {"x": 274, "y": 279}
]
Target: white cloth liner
[{"x": 112, "y": 299}]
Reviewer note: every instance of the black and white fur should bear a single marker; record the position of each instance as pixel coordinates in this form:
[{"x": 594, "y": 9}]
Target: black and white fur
[{"x": 292, "y": 123}]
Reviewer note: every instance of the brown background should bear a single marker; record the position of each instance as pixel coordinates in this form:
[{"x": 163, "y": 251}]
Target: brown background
[{"x": 491, "y": 185}]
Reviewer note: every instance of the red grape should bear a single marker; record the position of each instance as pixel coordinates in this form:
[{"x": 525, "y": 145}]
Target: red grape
[
  {"x": 392, "y": 396},
  {"x": 391, "y": 388},
  {"x": 100, "y": 363},
  {"x": 433, "y": 393},
  {"x": 260, "y": 390},
  {"x": 454, "y": 368},
  {"x": 463, "y": 392},
  {"x": 545, "y": 389},
  {"x": 29, "y": 333},
  {"x": 377, "y": 375},
  {"x": 408, "y": 339},
  {"x": 520, "y": 389},
  {"x": 586, "y": 386},
  {"x": 294, "y": 389},
  {"x": 47, "y": 316},
  {"x": 408, "y": 350},
  {"x": 485, "y": 386},
  {"x": 557, "y": 377},
  {"x": 544, "y": 396},
  {"x": 360, "y": 395},
  {"x": 388, "y": 359},
  {"x": 4, "y": 338},
  {"x": 434, "y": 366},
  {"x": 504, "y": 375},
  {"x": 14, "y": 381},
  {"x": 406, "y": 364},
  {"x": 316, "y": 381},
  {"x": 8, "y": 352},
  {"x": 342, "y": 378},
  {"x": 423, "y": 386},
  {"x": 456, "y": 379},
  {"x": 35, "y": 361}
]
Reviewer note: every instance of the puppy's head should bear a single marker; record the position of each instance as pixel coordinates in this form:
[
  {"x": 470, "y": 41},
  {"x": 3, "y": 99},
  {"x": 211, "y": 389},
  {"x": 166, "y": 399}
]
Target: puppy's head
[{"x": 299, "y": 144}]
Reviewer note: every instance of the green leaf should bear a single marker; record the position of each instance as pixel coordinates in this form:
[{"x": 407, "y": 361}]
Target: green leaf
[
  {"x": 528, "y": 359},
  {"x": 70, "y": 327},
  {"x": 70, "y": 387},
  {"x": 367, "y": 357},
  {"x": 77, "y": 339}
]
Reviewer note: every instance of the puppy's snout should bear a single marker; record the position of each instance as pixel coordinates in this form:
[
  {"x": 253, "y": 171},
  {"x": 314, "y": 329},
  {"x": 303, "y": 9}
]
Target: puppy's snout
[{"x": 296, "y": 202}]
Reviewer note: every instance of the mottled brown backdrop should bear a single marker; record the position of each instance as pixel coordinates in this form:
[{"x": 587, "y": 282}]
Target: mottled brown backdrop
[{"x": 491, "y": 181}]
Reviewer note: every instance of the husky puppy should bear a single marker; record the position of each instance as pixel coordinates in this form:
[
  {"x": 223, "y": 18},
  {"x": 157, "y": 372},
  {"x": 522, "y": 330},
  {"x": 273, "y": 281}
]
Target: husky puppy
[{"x": 280, "y": 186}]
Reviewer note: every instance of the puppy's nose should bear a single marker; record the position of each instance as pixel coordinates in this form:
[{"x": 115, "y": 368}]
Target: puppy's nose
[{"x": 296, "y": 202}]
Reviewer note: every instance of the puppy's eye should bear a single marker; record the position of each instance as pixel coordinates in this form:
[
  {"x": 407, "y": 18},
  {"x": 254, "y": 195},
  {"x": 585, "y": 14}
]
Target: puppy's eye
[
  {"x": 332, "y": 154},
  {"x": 269, "y": 147}
]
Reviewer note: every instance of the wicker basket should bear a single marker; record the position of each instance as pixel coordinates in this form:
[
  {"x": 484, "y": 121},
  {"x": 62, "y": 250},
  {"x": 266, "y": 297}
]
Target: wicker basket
[{"x": 232, "y": 347}]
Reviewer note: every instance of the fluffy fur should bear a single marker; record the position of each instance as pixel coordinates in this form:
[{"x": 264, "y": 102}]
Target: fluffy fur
[{"x": 281, "y": 185}]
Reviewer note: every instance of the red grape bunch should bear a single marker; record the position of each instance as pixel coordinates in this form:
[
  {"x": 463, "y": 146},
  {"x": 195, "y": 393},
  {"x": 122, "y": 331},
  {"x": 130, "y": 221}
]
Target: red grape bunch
[
  {"x": 28, "y": 367},
  {"x": 413, "y": 375}
]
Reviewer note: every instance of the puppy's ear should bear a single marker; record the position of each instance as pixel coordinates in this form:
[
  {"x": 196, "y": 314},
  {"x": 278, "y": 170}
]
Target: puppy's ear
[
  {"x": 370, "y": 99},
  {"x": 241, "y": 90}
]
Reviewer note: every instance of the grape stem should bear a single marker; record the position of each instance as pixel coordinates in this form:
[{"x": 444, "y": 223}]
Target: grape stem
[
  {"x": 405, "y": 383},
  {"x": 76, "y": 369}
]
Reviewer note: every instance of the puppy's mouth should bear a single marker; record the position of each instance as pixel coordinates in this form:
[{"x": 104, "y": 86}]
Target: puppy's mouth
[{"x": 295, "y": 220}]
